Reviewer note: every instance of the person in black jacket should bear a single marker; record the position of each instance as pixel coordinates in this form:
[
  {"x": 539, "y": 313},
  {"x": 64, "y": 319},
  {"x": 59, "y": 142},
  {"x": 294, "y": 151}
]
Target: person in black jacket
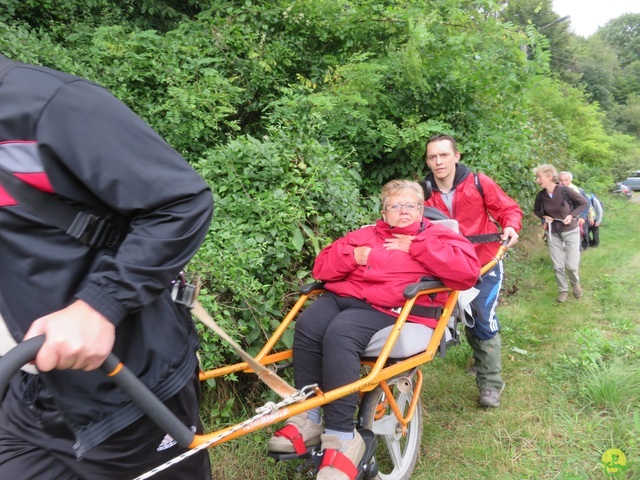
[{"x": 70, "y": 138}]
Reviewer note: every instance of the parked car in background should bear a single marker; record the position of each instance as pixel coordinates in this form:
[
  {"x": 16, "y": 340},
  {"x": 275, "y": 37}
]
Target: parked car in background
[
  {"x": 633, "y": 182},
  {"x": 622, "y": 189}
]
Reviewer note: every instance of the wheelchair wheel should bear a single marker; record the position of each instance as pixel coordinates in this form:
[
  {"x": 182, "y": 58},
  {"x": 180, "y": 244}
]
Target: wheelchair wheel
[{"x": 396, "y": 454}]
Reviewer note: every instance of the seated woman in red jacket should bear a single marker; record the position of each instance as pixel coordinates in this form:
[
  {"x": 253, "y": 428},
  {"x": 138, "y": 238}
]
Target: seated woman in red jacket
[{"x": 365, "y": 273}]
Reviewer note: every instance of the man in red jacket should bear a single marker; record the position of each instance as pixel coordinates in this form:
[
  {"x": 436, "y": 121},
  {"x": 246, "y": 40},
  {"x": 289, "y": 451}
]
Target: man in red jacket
[{"x": 477, "y": 203}]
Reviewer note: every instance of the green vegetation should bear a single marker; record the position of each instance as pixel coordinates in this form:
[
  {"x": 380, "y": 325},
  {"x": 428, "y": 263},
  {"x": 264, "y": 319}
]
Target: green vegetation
[{"x": 296, "y": 112}]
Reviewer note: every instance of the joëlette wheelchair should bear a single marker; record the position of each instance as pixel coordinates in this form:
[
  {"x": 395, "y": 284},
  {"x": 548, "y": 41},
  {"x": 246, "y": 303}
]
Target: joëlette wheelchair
[{"x": 389, "y": 416}]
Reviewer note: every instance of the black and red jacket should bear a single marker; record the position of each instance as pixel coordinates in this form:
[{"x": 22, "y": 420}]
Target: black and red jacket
[{"x": 73, "y": 139}]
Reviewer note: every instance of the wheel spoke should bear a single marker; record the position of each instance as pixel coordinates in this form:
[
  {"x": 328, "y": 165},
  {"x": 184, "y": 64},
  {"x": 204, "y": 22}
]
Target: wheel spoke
[
  {"x": 395, "y": 452},
  {"x": 386, "y": 427}
]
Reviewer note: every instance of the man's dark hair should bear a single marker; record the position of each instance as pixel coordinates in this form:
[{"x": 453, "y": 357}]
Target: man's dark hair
[{"x": 441, "y": 136}]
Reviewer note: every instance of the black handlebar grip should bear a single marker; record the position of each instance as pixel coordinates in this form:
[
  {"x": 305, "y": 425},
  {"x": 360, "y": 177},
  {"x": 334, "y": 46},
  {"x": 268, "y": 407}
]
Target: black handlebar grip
[
  {"x": 413, "y": 289},
  {"x": 310, "y": 287},
  {"x": 147, "y": 401},
  {"x": 27, "y": 350},
  {"x": 15, "y": 358}
]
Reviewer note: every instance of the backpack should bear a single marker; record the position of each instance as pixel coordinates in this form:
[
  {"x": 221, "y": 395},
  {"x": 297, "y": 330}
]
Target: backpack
[
  {"x": 593, "y": 198},
  {"x": 594, "y": 201},
  {"x": 566, "y": 198},
  {"x": 435, "y": 214}
]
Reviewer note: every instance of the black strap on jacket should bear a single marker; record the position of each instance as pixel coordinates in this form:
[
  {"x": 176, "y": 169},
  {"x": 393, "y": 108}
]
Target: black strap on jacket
[
  {"x": 94, "y": 231},
  {"x": 484, "y": 238},
  {"x": 435, "y": 214}
]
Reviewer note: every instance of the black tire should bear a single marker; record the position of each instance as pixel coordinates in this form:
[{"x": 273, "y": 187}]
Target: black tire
[{"x": 396, "y": 455}]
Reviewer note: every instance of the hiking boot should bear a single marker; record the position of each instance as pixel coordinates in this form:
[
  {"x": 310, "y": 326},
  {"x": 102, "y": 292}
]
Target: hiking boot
[
  {"x": 333, "y": 468},
  {"x": 577, "y": 291},
  {"x": 298, "y": 433},
  {"x": 489, "y": 399},
  {"x": 562, "y": 297}
]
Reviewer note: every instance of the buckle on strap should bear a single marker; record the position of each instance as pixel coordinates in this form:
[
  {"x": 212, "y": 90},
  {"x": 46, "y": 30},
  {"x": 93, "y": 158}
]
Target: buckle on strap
[
  {"x": 94, "y": 231},
  {"x": 184, "y": 293}
]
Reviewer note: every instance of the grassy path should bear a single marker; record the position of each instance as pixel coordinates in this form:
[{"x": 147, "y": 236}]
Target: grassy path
[{"x": 573, "y": 380}]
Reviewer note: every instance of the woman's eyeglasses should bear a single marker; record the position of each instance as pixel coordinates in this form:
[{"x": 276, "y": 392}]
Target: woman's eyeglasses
[{"x": 396, "y": 207}]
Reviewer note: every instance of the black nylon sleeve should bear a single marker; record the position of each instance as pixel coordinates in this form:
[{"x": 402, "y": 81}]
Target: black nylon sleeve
[{"x": 87, "y": 133}]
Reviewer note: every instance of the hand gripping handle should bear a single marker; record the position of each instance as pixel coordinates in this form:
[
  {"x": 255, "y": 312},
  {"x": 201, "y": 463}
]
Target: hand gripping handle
[{"x": 121, "y": 375}]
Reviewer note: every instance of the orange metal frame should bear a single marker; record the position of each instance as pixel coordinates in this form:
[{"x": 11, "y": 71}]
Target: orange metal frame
[{"x": 378, "y": 374}]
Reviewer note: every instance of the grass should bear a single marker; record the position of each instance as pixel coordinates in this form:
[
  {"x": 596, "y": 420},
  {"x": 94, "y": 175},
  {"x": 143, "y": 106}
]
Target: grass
[{"x": 572, "y": 373}]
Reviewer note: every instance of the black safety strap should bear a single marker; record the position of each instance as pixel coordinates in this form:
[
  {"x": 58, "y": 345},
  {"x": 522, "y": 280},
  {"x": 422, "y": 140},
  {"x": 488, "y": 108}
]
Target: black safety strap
[
  {"x": 484, "y": 238},
  {"x": 89, "y": 229},
  {"x": 94, "y": 231},
  {"x": 426, "y": 312},
  {"x": 476, "y": 180},
  {"x": 422, "y": 311}
]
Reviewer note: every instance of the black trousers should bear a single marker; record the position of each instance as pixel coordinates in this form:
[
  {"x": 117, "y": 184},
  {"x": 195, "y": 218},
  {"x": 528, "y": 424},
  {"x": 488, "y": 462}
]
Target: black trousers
[
  {"x": 594, "y": 236},
  {"x": 331, "y": 335},
  {"x": 32, "y": 447},
  {"x": 584, "y": 236}
]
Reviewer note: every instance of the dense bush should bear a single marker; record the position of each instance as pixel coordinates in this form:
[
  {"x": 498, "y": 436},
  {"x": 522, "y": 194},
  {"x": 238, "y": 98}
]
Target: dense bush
[
  {"x": 279, "y": 200},
  {"x": 297, "y": 112}
]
